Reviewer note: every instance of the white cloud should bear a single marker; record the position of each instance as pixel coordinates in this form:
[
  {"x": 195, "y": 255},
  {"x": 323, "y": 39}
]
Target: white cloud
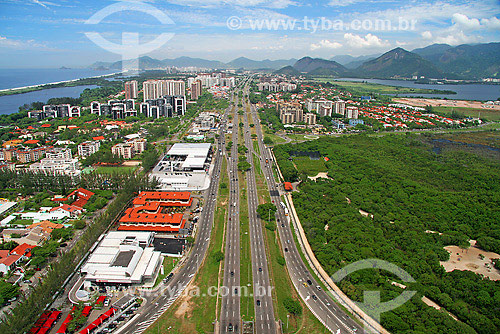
[
  {"x": 31, "y": 44},
  {"x": 457, "y": 39},
  {"x": 492, "y": 23},
  {"x": 368, "y": 41},
  {"x": 465, "y": 23},
  {"x": 238, "y": 3},
  {"x": 426, "y": 35},
  {"x": 326, "y": 44},
  {"x": 343, "y": 3}
]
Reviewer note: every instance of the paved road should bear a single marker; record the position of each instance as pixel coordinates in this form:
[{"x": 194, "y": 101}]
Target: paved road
[
  {"x": 318, "y": 301},
  {"x": 157, "y": 304},
  {"x": 265, "y": 322},
  {"x": 230, "y": 320}
]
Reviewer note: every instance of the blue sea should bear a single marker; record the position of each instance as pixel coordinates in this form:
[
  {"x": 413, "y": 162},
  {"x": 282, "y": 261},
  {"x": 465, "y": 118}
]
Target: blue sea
[{"x": 13, "y": 78}]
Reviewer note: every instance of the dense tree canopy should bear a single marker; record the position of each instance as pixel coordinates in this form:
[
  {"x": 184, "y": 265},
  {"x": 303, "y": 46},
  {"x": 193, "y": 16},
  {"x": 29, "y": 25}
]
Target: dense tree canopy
[{"x": 409, "y": 189}]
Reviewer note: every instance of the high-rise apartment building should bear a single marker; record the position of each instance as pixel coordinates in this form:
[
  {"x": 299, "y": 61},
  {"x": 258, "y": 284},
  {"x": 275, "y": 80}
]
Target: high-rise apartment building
[
  {"x": 131, "y": 89},
  {"x": 352, "y": 112},
  {"x": 340, "y": 107},
  {"x": 290, "y": 112},
  {"x": 154, "y": 89},
  {"x": 195, "y": 90}
]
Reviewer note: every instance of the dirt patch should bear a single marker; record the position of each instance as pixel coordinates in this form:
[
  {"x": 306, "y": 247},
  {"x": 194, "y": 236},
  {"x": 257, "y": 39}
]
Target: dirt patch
[
  {"x": 131, "y": 163},
  {"x": 319, "y": 176},
  {"x": 185, "y": 308},
  {"x": 472, "y": 259}
]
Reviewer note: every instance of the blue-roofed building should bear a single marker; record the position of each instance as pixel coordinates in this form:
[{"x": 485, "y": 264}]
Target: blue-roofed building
[
  {"x": 338, "y": 124},
  {"x": 354, "y": 122}
]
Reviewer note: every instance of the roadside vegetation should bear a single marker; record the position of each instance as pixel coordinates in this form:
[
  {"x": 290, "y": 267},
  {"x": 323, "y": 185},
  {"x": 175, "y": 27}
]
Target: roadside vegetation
[{"x": 409, "y": 187}]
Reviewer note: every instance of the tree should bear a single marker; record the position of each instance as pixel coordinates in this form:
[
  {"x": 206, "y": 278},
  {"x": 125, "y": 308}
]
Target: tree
[
  {"x": 218, "y": 256},
  {"x": 266, "y": 211},
  {"x": 293, "y": 306},
  {"x": 7, "y": 291}
]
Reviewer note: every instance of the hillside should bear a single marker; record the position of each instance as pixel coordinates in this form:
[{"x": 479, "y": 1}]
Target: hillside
[
  {"x": 288, "y": 70},
  {"x": 317, "y": 65},
  {"x": 467, "y": 61},
  {"x": 398, "y": 63}
]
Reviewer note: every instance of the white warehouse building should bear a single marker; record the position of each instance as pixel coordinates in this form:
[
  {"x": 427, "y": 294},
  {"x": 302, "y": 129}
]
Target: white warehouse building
[{"x": 123, "y": 258}]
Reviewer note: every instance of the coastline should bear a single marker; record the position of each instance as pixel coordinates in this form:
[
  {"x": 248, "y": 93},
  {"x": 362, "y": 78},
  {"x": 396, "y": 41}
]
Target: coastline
[{"x": 26, "y": 89}]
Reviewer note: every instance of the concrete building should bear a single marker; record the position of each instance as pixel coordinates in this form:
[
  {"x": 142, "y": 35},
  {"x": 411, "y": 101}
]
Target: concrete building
[
  {"x": 310, "y": 118},
  {"x": 131, "y": 89},
  {"x": 55, "y": 111},
  {"x": 57, "y": 166},
  {"x": 352, "y": 112},
  {"x": 88, "y": 148},
  {"x": 166, "y": 106},
  {"x": 195, "y": 90},
  {"x": 290, "y": 112},
  {"x": 322, "y": 107},
  {"x": 129, "y": 149},
  {"x": 184, "y": 167},
  {"x": 58, "y": 153},
  {"x": 123, "y": 258},
  {"x": 340, "y": 107},
  {"x": 154, "y": 89},
  {"x": 116, "y": 109}
]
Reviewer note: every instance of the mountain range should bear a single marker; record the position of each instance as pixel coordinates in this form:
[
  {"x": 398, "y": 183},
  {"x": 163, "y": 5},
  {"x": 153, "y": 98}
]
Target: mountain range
[
  {"x": 437, "y": 61},
  {"x": 434, "y": 61}
]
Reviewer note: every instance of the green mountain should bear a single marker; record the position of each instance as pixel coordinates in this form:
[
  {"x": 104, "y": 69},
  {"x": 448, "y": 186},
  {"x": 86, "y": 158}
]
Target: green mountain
[
  {"x": 250, "y": 64},
  {"x": 398, "y": 63},
  {"x": 316, "y": 66},
  {"x": 467, "y": 61},
  {"x": 288, "y": 70}
]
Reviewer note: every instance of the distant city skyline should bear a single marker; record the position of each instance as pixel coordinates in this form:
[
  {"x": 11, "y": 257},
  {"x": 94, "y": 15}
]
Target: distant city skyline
[{"x": 50, "y": 34}]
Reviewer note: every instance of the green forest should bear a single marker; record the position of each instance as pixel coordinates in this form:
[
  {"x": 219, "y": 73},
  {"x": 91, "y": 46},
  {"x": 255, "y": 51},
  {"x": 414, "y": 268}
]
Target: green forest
[{"x": 408, "y": 188}]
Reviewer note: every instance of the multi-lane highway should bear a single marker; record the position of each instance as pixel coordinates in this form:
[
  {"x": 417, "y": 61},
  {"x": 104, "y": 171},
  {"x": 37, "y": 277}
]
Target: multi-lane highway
[
  {"x": 317, "y": 300},
  {"x": 158, "y": 302},
  {"x": 230, "y": 302},
  {"x": 265, "y": 322}
]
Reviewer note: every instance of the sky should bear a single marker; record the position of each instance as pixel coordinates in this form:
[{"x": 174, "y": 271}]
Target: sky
[{"x": 54, "y": 33}]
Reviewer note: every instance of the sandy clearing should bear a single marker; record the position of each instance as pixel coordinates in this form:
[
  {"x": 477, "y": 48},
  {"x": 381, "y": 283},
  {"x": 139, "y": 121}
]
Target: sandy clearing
[
  {"x": 320, "y": 175},
  {"x": 421, "y": 102},
  {"x": 470, "y": 259}
]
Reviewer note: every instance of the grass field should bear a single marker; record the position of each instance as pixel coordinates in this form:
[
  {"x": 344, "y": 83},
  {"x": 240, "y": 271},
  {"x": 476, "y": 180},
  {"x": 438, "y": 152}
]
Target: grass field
[
  {"x": 115, "y": 170},
  {"x": 491, "y": 115},
  {"x": 195, "y": 314},
  {"x": 308, "y": 166},
  {"x": 369, "y": 88},
  {"x": 168, "y": 264}
]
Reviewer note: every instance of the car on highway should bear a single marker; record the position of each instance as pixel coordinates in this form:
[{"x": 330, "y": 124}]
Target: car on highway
[
  {"x": 258, "y": 302},
  {"x": 309, "y": 282},
  {"x": 260, "y": 269},
  {"x": 305, "y": 284},
  {"x": 318, "y": 287},
  {"x": 314, "y": 297},
  {"x": 230, "y": 327},
  {"x": 286, "y": 249},
  {"x": 232, "y": 273}
]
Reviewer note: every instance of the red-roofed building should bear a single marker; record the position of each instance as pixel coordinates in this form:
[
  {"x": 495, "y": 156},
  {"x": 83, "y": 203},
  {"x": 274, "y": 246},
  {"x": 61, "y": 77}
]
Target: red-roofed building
[
  {"x": 73, "y": 210},
  {"x": 166, "y": 198},
  {"x": 288, "y": 186},
  {"x": 9, "y": 263},
  {"x": 98, "y": 138},
  {"x": 31, "y": 142},
  {"x": 23, "y": 250},
  {"x": 81, "y": 195},
  {"x": 45, "y": 125}
]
